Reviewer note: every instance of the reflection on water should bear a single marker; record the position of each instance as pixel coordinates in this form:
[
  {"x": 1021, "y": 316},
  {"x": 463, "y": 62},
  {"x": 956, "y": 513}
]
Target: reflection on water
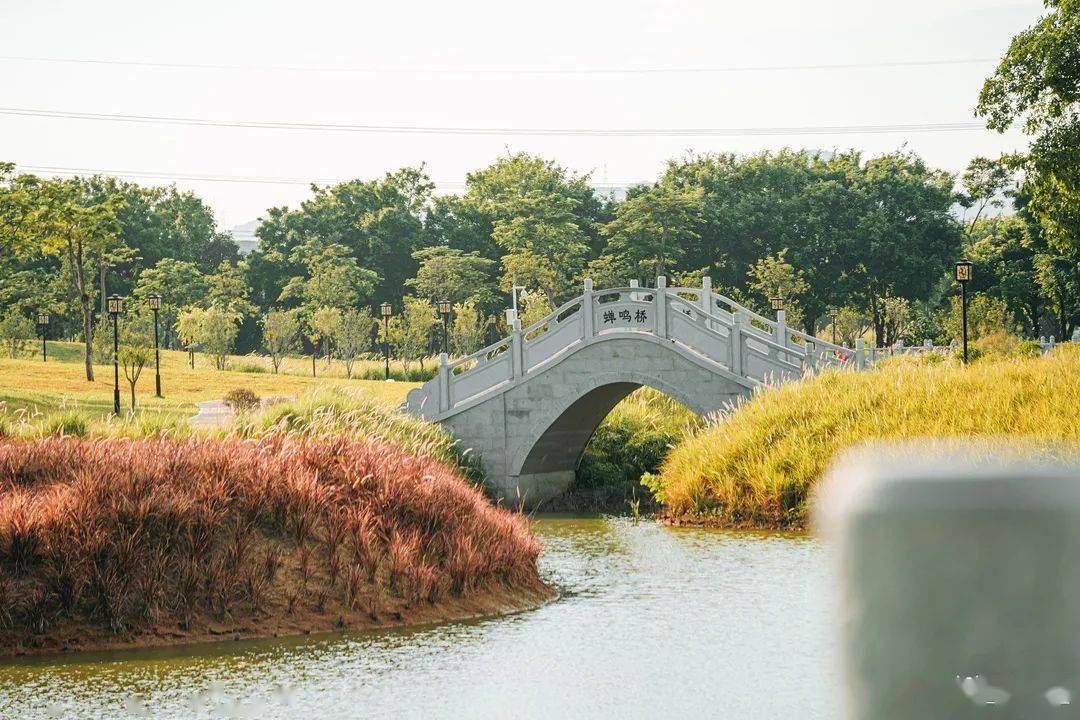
[{"x": 652, "y": 622}]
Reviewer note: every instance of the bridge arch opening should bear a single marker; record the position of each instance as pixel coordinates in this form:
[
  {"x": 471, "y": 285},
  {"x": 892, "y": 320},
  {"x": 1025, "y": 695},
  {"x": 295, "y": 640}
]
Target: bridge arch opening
[{"x": 554, "y": 463}]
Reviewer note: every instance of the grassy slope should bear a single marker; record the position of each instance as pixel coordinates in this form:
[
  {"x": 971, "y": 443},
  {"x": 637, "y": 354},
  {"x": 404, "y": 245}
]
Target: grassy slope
[
  {"x": 34, "y": 387},
  {"x": 167, "y": 540},
  {"x": 759, "y": 465}
]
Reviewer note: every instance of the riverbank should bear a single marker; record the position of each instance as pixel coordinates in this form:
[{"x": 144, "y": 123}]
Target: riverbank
[
  {"x": 758, "y": 467},
  {"x": 114, "y": 542}
]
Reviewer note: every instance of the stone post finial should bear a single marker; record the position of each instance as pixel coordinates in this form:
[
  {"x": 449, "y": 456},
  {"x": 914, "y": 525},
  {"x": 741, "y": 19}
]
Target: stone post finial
[
  {"x": 588, "y": 285},
  {"x": 661, "y": 282}
]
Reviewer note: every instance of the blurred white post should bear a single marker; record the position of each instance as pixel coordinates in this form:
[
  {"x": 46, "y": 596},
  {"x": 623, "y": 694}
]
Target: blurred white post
[
  {"x": 860, "y": 353},
  {"x": 736, "y": 338},
  {"x": 781, "y": 328},
  {"x": 959, "y": 580},
  {"x": 706, "y": 300}
]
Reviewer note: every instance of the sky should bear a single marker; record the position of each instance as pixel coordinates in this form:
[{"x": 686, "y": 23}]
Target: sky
[{"x": 499, "y": 65}]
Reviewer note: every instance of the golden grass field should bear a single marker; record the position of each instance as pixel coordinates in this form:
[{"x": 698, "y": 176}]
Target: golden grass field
[
  {"x": 30, "y": 387},
  {"x": 759, "y": 464}
]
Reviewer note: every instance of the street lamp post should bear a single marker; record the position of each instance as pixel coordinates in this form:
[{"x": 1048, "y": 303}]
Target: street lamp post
[
  {"x": 43, "y": 323},
  {"x": 444, "y": 310},
  {"x": 515, "y": 291},
  {"x": 777, "y": 301},
  {"x": 965, "y": 270},
  {"x": 833, "y": 314},
  {"x": 385, "y": 310},
  {"x": 155, "y": 305},
  {"x": 116, "y": 306}
]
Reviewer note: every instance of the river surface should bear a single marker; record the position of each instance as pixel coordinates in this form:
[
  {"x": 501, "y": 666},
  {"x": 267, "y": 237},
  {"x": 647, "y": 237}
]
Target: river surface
[{"x": 651, "y": 622}]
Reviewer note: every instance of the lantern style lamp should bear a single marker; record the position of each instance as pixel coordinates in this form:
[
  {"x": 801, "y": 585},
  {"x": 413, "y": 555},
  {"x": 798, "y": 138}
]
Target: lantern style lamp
[
  {"x": 155, "y": 305},
  {"x": 385, "y": 311},
  {"x": 444, "y": 309},
  {"x": 115, "y": 306},
  {"x": 965, "y": 271},
  {"x": 43, "y": 324},
  {"x": 777, "y": 301}
]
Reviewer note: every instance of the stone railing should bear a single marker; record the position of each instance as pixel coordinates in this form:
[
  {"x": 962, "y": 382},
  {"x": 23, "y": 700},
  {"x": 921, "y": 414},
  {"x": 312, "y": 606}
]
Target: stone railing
[{"x": 721, "y": 331}]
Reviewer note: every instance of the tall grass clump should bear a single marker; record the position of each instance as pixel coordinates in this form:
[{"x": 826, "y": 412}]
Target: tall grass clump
[
  {"x": 112, "y": 538},
  {"x": 328, "y": 412},
  {"x": 71, "y": 422},
  {"x": 631, "y": 441},
  {"x": 759, "y": 464}
]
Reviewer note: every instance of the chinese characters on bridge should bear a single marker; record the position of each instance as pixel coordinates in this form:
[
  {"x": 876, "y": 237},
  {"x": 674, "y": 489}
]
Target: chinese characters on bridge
[{"x": 625, "y": 316}]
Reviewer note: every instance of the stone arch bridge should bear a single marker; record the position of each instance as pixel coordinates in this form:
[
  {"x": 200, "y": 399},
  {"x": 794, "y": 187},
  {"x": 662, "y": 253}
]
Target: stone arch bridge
[{"x": 530, "y": 403}]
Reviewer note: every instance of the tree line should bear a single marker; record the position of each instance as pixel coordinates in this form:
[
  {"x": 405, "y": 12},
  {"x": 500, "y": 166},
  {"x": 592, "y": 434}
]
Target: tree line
[{"x": 856, "y": 245}]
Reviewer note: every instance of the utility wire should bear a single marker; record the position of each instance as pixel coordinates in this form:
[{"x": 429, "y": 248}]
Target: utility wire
[
  {"x": 499, "y": 131},
  {"x": 377, "y": 70}
]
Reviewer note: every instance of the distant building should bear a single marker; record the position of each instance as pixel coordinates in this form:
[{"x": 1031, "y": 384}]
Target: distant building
[{"x": 244, "y": 236}]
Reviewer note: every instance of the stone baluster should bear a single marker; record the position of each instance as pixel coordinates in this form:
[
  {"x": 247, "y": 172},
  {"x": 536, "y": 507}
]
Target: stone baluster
[
  {"x": 780, "y": 334},
  {"x": 860, "y": 354},
  {"x": 736, "y": 362},
  {"x": 705, "y": 301},
  {"x": 587, "y": 330},
  {"x": 444, "y": 383},
  {"x": 811, "y": 355},
  {"x": 517, "y": 351},
  {"x": 660, "y": 305}
]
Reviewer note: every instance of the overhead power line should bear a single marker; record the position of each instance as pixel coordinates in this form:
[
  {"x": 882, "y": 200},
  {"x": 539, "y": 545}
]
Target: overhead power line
[
  {"x": 381, "y": 70},
  {"x": 250, "y": 179},
  {"x": 498, "y": 131}
]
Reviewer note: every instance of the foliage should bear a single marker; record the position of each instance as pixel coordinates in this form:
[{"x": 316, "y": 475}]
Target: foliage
[
  {"x": 16, "y": 333},
  {"x": 410, "y": 332},
  {"x": 324, "y": 324},
  {"x": 179, "y": 283},
  {"x": 631, "y": 441},
  {"x": 212, "y": 330},
  {"x": 241, "y": 400},
  {"x": 774, "y": 276},
  {"x": 652, "y": 228},
  {"x": 1038, "y": 82},
  {"x": 468, "y": 329},
  {"x": 986, "y": 316},
  {"x": 453, "y": 275},
  {"x": 354, "y": 337},
  {"x": 281, "y": 330},
  {"x": 760, "y": 464}
]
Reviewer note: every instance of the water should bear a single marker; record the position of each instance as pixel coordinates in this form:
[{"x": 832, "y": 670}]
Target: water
[{"x": 651, "y": 622}]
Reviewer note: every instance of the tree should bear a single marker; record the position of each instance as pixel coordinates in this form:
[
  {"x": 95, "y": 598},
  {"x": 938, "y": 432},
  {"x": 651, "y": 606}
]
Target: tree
[
  {"x": 652, "y": 228},
  {"x": 134, "y": 350},
  {"x": 179, "y": 283},
  {"x": 985, "y": 183},
  {"x": 227, "y": 290},
  {"x": 281, "y": 329},
  {"x": 986, "y": 316},
  {"x": 68, "y": 225},
  {"x": 1058, "y": 278},
  {"x": 1004, "y": 251},
  {"x": 410, "y": 332},
  {"x": 772, "y": 276},
  {"x": 324, "y": 324},
  {"x": 354, "y": 336},
  {"x": 453, "y": 275},
  {"x": 213, "y": 330},
  {"x": 1038, "y": 82},
  {"x": 333, "y": 278},
  {"x": 468, "y": 329},
  {"x": 16, "y": 332}
]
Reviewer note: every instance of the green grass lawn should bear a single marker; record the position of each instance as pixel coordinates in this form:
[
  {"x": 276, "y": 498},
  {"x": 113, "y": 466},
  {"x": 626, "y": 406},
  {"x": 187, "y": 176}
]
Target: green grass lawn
[{"x": 30, "y": 388}]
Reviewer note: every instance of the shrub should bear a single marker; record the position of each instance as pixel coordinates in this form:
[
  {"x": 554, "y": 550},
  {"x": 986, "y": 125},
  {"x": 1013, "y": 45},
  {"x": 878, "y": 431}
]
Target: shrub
[
  {"x": 117, "y": 536},
  {"x": 630, "y": 443},
  {"x": 241, "y": 400},
  {"x": 251, "y": 368},
  {"x": 760, "y": 464}
]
